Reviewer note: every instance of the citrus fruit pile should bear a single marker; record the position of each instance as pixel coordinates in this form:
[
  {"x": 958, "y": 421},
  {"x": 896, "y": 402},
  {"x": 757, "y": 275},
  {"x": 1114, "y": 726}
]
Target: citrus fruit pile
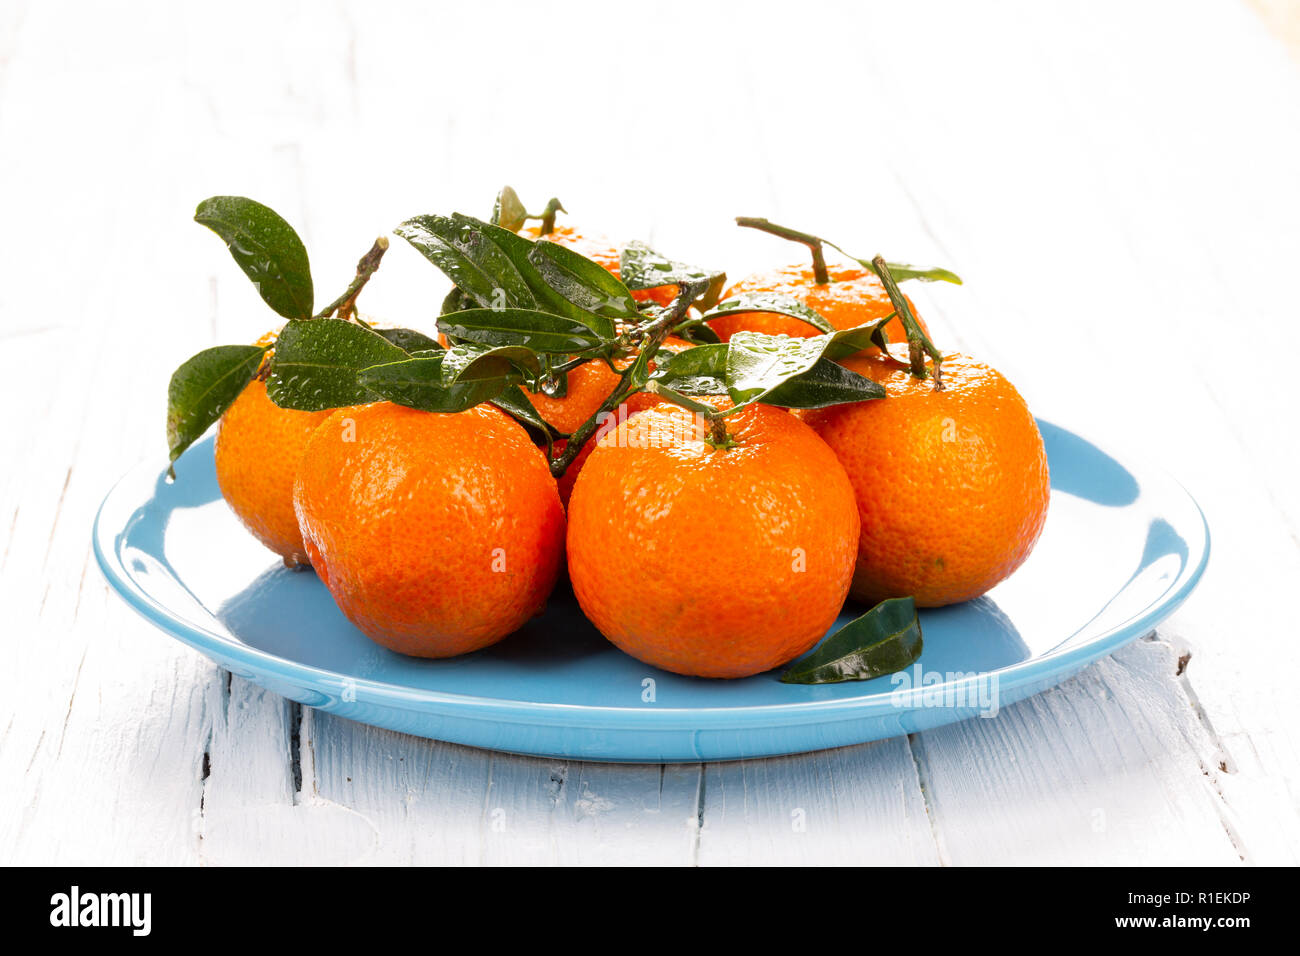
[{"x": 719, "y": 468}]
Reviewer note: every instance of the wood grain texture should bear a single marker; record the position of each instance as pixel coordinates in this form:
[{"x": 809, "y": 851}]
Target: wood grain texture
[{"x": 1114, "y": 181}]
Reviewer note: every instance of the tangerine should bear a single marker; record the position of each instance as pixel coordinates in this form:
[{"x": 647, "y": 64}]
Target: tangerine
[
  {"x": 437, "y": 534},
  {"x": 952, "y": 486},
  {"x": 258, "y": 448},
  {"x": 712, "y": 561}
]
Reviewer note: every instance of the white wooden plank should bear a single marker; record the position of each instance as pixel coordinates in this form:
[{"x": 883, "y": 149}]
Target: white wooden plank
[
  {"x": 439, "y": 803},
  {"x": 1111, "y": 768},
  {"x": 253, "y": 811},
  {"x": 853, "y": 806},
  {"x": 424, "y": 800}
]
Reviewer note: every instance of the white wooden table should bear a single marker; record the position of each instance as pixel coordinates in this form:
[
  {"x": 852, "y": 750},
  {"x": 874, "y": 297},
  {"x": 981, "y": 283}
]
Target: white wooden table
[{"x": 1118, "y": 184}]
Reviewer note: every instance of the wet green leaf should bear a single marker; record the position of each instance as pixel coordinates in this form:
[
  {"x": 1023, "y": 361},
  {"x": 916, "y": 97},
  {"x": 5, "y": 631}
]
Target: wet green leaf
[
  {"x": 848, "y": 342},
  {"x": 418, "y": 383},
  {"x": 640, "y": 267},
  {"x": 515, "y": 403},
  {"x": 471, "y": 361},
  {"x": 774, "y": 370},
  {"x": 266, "y": 248},
  {"x": 823, "y": 385},
  {"x": 455, "y": 301},
  {"x": 480, "y": 268},
  {"x": 548, "y": 298},
  {"x": 409, "y": 339},
  {"x": 638, "y": 373},
  {"x": 315, "y": 364},
  {"x": 496, "y": 269},
  {"x": 585, "y": 283},
  {"x": 203, "y": 387},
  {"x": 698, "y": 371},
  {"x": 539, "y": 331},
  {"x": 884, "y": 640},
  {"x": 758, "y": 363}
]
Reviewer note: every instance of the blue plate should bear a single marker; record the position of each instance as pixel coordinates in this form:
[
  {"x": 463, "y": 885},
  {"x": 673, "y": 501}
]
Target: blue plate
[{"x": 1122, "y": 548}]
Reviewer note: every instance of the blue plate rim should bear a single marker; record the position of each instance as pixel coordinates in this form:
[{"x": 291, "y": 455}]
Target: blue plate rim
[{"x": 330, "y": 683}]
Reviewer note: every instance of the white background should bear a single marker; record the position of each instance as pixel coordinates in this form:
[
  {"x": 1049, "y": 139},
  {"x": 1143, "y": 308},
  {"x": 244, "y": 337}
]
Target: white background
[{"x": 1116, "y": 182}]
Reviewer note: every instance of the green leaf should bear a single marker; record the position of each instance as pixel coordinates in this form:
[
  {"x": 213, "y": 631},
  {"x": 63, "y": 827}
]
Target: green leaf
[
  {"x": 471, "y": 361},
  {"x": 638, "y": 373},
  {"x": 901, "y": 270},
  {"x": 495, "y": 268},
  {"x": 203, "y": 387},
  {"x": 539, "y": 331},
  {"x": 847, "y": 342},
  {"x": 759, "y": 366},
  {"x": 767, "y": 368},
  {"x": 585, "y": 283},
  {"x": 884, "y": 640},
  {"x": 758, "y": 363},
  {"x": 851, "y": 341},
  {"x": 771, "y": 302},
  {"x": 455, "y": 301},
  {"x": 549, "y": 299},
  {"x": 515, "y": 403},
  {"x": 694, "y": 330},
  {"x": 315, "y": 364},
  {"x": 508, "y": 212},
  {"x": 266, "y": 248},
  {"x": 417, "y": 383},
  {"x": 823, "y": 385},
  {"x": 409, "y": 339},
  {"x": 640, "y": 267},
  {"x": 879, "y": 337},
  {"x": 698, "y": 371},
  {"x": 478, "y": 266}
]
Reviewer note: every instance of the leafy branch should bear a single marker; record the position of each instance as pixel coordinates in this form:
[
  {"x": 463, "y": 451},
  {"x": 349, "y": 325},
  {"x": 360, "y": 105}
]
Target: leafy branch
[
  {"x": 523, "y": 315},
  {"x": 900, "y": 271}
]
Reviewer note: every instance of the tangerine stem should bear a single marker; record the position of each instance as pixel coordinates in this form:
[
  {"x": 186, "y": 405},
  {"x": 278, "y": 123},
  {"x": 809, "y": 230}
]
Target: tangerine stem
[
  {"x": 651, "y": 336},
  {"x": 718, "y": 436},
  {"x": 548, "y": 217},
  {"x": 918, "y": 343},
  {"x": 584, "y": 431},
  {"x": 346, "y": 304},
  {"x": 581, "y": 358},
  {"x": 814, "y": 243}
]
